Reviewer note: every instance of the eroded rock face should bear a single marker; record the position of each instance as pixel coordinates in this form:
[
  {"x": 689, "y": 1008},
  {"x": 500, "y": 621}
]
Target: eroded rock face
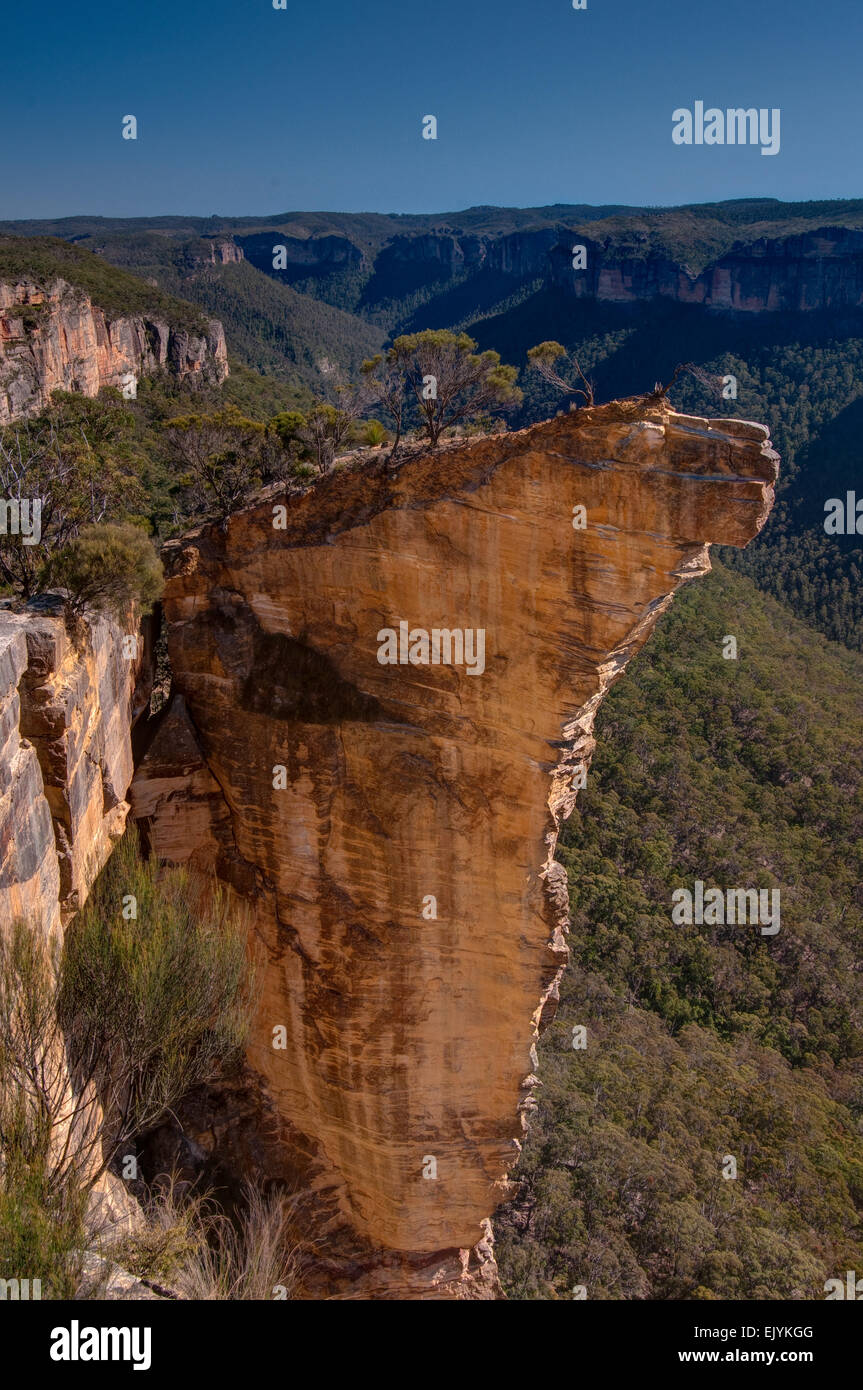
[
  {"x": 68, "y": 343},
  {"x": 395, "y": 825},
  {"x": 66, "y": 715},
  {"x": 813, "y": 270},
  {"x": 821, "y": 268}
]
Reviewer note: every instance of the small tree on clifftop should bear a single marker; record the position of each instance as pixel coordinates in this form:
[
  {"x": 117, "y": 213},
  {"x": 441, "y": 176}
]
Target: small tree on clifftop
[
  {"x": 384, "y": 382},
  {"x": 318, "y": 433},
  {"x": 108, "y": 568},
  {"x": 545, "y": 357},
  {"x": 222, "y": 456},
  {"x": 451, "y": 383}
]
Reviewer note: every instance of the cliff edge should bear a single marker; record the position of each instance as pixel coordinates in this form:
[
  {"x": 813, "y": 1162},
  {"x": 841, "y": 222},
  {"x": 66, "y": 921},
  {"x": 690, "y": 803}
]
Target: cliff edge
[
  {"x": 385, "y": 691},
  {"x": 66, "y": 714}
]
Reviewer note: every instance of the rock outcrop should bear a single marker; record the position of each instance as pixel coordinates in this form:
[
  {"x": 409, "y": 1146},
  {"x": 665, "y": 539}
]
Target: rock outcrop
[
  {"x": 58, "y": 339},
  {"x": 303, "y": 256},
  {"x": 394, "y": 825},
  {"x": 224, "y": 252},
  {"x": 66, "y": 715}
]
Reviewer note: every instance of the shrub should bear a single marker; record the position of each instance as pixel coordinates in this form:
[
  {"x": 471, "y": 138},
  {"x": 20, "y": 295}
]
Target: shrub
[
  {"x": 108, "y": 568},
  {"x": 373, "y": 433},
  {"x": 225, "y": 456},
  {"x": 73, "y": 463},
  {"x": 157, "y": 1004},
  {"x": 149, "y": 995}
]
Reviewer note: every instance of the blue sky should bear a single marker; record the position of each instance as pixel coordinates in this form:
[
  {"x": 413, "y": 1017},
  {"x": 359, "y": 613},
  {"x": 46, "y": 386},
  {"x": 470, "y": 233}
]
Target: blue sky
[{"x": 244, "y": 109}]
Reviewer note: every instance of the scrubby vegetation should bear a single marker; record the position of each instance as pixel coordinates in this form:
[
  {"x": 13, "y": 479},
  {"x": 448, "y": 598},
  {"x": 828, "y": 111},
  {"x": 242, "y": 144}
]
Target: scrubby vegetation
[
  {"x": 149, "y": 994},
  {"x": 707, "y": 1041},
  {"x": 189, "y": 1244},
  {"x": 109, "y": 569}
]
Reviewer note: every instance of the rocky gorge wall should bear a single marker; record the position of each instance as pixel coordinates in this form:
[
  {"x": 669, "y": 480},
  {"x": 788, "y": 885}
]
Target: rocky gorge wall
[
  {"x": 809, "y": 271},
  {"x": 817, "y": 269},
  {"x": 394, "y": 824},
  {"x": 66, "y": 716},
  {"x": 58, "y": 339}
]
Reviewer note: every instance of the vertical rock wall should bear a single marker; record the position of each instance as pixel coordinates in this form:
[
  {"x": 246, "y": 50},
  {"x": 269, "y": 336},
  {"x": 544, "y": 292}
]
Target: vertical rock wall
[
  {"x": 395, "y": 825},
  {"x": 57, "y": 339},
  {"x": 66, "y": 715}
]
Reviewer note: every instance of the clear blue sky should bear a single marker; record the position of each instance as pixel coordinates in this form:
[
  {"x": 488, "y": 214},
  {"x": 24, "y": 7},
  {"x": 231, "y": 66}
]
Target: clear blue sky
[{"x": 243, "y": 109}]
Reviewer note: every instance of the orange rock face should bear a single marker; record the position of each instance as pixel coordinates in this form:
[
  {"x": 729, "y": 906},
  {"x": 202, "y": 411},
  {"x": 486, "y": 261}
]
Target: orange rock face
[
  {"x": 395, "y": 823},
  {"x": 74, "y": 346}
]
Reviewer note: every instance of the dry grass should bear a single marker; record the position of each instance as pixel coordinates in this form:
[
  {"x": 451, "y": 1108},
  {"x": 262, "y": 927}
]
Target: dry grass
[{"x": 191, "y": 1245}]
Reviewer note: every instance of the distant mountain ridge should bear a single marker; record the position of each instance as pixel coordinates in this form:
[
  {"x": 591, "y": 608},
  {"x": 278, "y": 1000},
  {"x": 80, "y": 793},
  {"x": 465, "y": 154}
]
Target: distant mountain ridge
[
  {"x": 691, "y": 237},
  {"x": 765, "y": 294},
  {"x": 394, "y": 273}
]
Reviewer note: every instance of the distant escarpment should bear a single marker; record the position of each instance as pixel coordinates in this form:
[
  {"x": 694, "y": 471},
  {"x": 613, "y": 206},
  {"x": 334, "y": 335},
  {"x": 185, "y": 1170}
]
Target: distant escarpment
[
  {"x": 814, "y": 269},
  {"x": 385, "y": 691},
  {"x": 821, "y": 269},
  {"x": 59, "y": 340},
  {"x": 404, "y": 272}
]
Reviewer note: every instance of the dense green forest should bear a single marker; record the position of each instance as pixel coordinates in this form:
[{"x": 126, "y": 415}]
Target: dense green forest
[
  {"x": 285, "y": 334},
  {"x": 705, "y": 1042}
]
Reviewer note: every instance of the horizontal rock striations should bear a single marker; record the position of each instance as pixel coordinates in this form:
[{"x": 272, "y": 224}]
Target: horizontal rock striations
[
  {"x": 57, "y": 339},
  {"x": 66, "y": 715},
  {"x": 395, "y": 824},
  {"x": 808, "y": 271}
]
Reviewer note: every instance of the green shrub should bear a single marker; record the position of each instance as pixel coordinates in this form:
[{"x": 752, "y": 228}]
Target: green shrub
[
  {"x": 158, "y": 1003},
  {"x": 373, "y": 433},
  {"x": 149, "y": 995},
  {"x": 108, "y": 568}
]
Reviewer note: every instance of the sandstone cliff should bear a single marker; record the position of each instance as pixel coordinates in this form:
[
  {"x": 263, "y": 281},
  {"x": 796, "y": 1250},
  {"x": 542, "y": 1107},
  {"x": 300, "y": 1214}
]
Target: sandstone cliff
[
  {"x": 66, "y": 715},
  {"x": 820, "y": 268},
  {"x": 809, "y": 271},
  {"x": 395, "y": 825},
  {"x": 56, "y": 338}
]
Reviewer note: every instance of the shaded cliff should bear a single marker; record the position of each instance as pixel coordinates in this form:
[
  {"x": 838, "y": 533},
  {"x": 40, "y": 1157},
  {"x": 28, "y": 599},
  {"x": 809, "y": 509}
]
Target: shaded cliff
[
  {"x": 631, "y": 261},
  {"x": 395, "y": 824},
  {"x": 821, "y": 269},
  {"x": 66, "y": 715}
]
